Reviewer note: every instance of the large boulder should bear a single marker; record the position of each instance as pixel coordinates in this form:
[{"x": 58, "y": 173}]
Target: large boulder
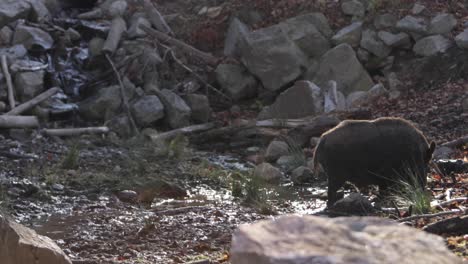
[
  {"x": 462, "y": 39},
  {"x": 384, "y": 21},
  {"x": 237, "y": 32},
  {"x": 29, "y": 84},
  {"x": 340, "y": 64},
  {"x": 394, "y": 40},
  {"x": 268, "y": 173},
  {"x": 103, "y": 105},
  {"x": 350, "y": 34},
  {"x": 177, "y": 111},
  {"x": 442, "y": 24},
  {"x": 373, "y": 44},
  {"x": 32, "y": 37},
  {"x": 21, "y": 245},
  {"x": 273, "y": 57},
  {"x": 297, "y": 239},
  {"x": 236, "y": 81},
  {"x": 275, "y": 150},
  {"x": 353, "y": 8},
  {"x": 200, "y": 105},
  {"x": 147, "y": 109},
  {"x": 432, "y": 45},
  {"x": 411, "y": 24},
  {"x": 302, "y": 99},
  {"x": 304, "y": 33},
  {"x": 11, "y": 10}
]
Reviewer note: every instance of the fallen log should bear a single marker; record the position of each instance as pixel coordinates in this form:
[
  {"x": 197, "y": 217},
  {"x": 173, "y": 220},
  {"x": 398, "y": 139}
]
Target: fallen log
[
  {"x": 9, "y": 121},
  {"x": 116, "y": 30},
  {"x": 455, "y": 225},
  {"x": 426, "y": 216},
  {"x": 206, "y": 57},
  {"x": 11, "y": 95},
  {"x": 184, "y": 131},
  {"x": 33, "y": 102},
  {"x": 67, "y": 132},
  {"x": 156, "y": 19},
  {"x": 457, "y": 142},
  {"x": 315, "y": 128}
]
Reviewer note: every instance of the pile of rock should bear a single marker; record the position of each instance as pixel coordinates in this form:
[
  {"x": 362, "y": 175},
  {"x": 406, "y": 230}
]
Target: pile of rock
[{"x": 27, "y": 34}]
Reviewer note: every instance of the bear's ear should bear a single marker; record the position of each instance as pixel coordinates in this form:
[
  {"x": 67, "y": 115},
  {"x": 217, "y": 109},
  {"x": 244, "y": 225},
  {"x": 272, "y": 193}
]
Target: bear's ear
[{"x": 430, "y": 151}]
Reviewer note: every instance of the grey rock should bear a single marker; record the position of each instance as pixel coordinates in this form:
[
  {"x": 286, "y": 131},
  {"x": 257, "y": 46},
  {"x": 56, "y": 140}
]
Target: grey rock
[
  {"x": 394, "y": 82},
  {"x": 306, "y": 36},
  {"x": 356, "y": 99},
  {"x": 432, "y": 45},
  {"x": 236, "y": 33},
  {"x": 410, "y": 24},
  {"x": 376, "y": 91},
  {"x": 12, "y": 10},
  {"x": 121, "y": 125},
  {"x": 103, "y": 105},
  {"x": 117, "y": 8},
  {"x": 319, "y": 21},
  {"x": 6, "y": 35},
  {"x": 275, "y": 150},
  {"x": 373, "y": 44},
  {"x": 301, "y": 175},
  {"x": 291, "y": 161},
  {"x": 134, "y": 30},
  {"x": 177, "y": 111},
  {"x": 340, "y": 64},
  {"x": 394, "y": 40},
  {"x": 443, "y": 152},
  {"x": 72, "y": 34},
  {"x": 350, "y": 34},
  {"x": 394, "y": 94},
  {"x": 95, "y": 46},
  {"x": 268, "y": 173},
  {"x": 39, "y": 11},
  {"x": 353, "y": 8},
  {"x": 147, "y": 110},
  {"x": 462, "y": 39},
  {"x": 353, "y": 204},
  {"x": 14, "y": 52},
  {"x": 334, "y": 100},
  {"x": 236, "y": 81},
  {"x": 200, "y": 105},
  {"x": 418, "y": 9},
  {"x": 300, "y": 100},
  {"x": 384, "y": 21},
  {"x": 29, "y": 84},
  {"x": 363, "y": 55},
  {"x": 31, "y": 37},
  {"x": 271, "y": 56},
  {"x": 301, "y": 239},
  {"x": 464, "y": 104},
  {"x": 127, "y": 196},
  {"x": 442, "y": 24},
  {"x": 34, "y": 248}
]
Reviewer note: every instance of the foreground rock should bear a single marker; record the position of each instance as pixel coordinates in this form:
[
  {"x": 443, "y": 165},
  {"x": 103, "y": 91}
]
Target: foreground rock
[
  {"x": 21, "y": 245},
  {"x": 310, "y": 239}
]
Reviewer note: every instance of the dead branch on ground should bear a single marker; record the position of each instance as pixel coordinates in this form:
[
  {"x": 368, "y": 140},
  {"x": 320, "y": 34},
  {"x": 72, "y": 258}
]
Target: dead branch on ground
[{"x": 33, "y": 102}]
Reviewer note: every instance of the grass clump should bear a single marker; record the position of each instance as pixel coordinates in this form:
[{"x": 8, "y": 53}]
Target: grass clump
[
  {"x": 72, "y": 158},
  {"x": 408, "y": 191}
]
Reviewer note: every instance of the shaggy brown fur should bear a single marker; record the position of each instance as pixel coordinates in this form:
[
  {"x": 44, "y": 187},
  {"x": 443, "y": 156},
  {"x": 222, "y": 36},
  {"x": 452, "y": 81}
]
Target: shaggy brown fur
[{"x": 365, "y": 152}]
